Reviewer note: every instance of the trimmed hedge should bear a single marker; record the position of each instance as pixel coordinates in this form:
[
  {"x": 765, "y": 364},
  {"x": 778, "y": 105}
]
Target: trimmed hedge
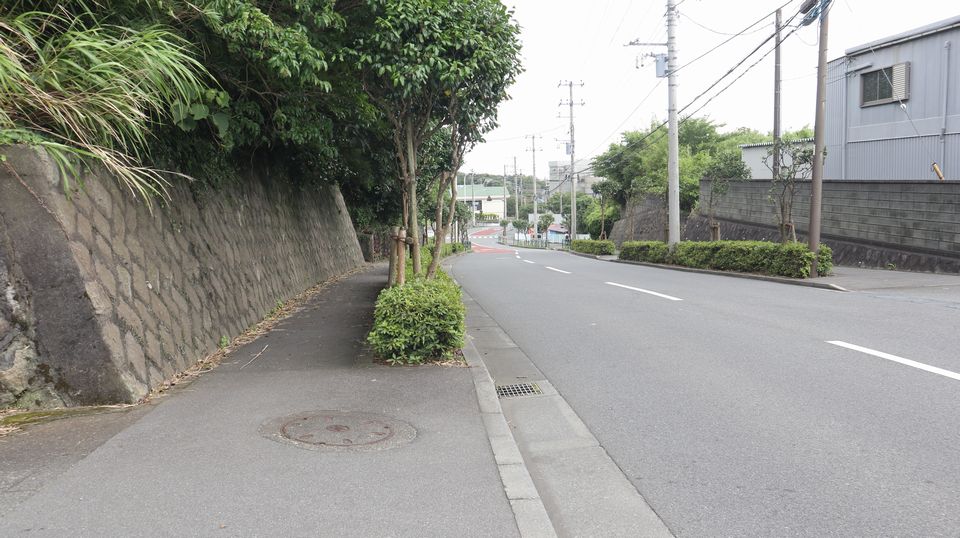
[
  {"x": 790, "y": 259},
  {"x": 593, "y": 246},
  {"x": 419, "y": 321},
  {"x": 644, "y": 251},
  {"x": 825, "y": 260}
]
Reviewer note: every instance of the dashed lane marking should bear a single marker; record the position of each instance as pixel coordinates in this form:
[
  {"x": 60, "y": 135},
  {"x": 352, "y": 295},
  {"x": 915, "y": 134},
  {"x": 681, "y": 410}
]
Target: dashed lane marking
[
  {"x": 906, "y": 362},
  {"x": 558, "y": 270},
  {"x": 648, "y": 292}
]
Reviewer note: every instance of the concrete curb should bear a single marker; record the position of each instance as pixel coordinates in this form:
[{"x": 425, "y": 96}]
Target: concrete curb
[
  {"x": 749, "y": 276},
  {"x": 528, "y": 509}
]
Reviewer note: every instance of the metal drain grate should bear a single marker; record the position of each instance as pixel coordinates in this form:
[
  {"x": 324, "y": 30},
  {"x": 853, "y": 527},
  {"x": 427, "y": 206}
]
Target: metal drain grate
[{"x": 517, "y": 391}]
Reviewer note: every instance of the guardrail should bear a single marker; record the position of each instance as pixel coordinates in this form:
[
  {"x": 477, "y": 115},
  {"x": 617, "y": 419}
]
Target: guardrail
[{"x": 534, "y": 243}]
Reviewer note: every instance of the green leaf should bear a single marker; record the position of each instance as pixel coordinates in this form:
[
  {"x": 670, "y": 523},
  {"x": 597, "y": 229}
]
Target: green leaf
[
  {"x": 222, "y": 122},
  {"x": 199, "y": 111}
]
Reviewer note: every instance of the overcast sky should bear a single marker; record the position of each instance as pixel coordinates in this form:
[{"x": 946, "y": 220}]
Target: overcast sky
[{"x": 583, "y": 40}]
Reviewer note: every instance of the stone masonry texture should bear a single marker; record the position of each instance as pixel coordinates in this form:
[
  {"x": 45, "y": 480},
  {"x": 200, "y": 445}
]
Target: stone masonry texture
[{"x": 102, "y": 297}]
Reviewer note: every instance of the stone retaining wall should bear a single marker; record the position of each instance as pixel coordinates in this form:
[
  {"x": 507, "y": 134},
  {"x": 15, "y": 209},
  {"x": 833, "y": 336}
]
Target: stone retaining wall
[{"x": 103, "y": 299}]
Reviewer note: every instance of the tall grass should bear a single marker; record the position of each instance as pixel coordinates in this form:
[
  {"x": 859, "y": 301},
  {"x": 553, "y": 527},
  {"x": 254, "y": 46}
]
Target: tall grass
[{"x": 88, "y": 91}]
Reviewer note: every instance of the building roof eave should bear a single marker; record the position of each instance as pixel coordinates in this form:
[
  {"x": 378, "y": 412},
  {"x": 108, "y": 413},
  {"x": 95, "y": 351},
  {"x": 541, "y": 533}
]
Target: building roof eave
[{"x": 916, "y": 33}]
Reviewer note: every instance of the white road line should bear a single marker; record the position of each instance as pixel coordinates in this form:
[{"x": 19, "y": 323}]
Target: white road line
[
  {"x": 528, "y": 261},
  {"x": 901, "y": 360},
  {"x": 668, "y": 297},
  {"x": 518, "y": 257},
  {"x": 558, "y": 270}
]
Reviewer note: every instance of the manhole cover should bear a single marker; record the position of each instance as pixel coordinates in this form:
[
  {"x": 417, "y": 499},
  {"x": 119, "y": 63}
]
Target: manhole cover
[{"x": 339, "y": 431}]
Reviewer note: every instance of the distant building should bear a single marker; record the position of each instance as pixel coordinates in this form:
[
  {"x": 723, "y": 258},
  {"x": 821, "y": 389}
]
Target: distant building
[
  {"x": 893, "y": 107},
  {"x": 483, "y": 199},
  {"x": 756, "y": 157},
  {"x": 560, "y": 170}
]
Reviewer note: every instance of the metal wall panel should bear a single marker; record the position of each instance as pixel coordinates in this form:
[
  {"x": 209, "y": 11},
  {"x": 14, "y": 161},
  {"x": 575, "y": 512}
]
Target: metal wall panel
[
  {"x": 897, "y": 159},
  {"x": 889, "y": 141}
]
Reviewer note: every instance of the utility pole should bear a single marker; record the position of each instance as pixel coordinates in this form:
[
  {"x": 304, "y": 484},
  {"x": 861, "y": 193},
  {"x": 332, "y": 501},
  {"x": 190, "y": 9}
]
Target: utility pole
[
  {"x": 667, "y": 67},
  {"x": 673, "y": 145},
  {"x": 504, "y": 192},
  {"x": 516, "y": 190},
  {"x": 536, "y": 216},
  {"x": 776, "y": 102},
  {"x": 571, "y": 149},
  {"x": 816, "y": 182}
]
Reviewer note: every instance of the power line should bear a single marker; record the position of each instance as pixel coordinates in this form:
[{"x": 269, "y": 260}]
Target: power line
[
  {"x": 625, "y": 120},
  {"x": 707, "y": 28},
  {"x": 622, "y": 19},
  {"x": 658, "y": 128},
  {"x": 738, "y": 34},
  {"x": 557, "y": 128}
]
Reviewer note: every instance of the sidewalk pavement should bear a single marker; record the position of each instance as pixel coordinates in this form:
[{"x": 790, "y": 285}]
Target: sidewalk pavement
[
  {"x": 207, "y": 459},
  {"x": 859, "y": 279}
]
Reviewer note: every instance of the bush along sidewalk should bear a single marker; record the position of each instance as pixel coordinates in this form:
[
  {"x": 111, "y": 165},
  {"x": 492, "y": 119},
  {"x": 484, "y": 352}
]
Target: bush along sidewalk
[
  {"x": 423, "y": 320},
  {"x": 593, "y": 246},
  {"x": 763, "y": 257},
  {"x": 420, "y": 321}
]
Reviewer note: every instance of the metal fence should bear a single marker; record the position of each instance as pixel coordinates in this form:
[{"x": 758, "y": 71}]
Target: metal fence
[{"x": 535, "y": 243}]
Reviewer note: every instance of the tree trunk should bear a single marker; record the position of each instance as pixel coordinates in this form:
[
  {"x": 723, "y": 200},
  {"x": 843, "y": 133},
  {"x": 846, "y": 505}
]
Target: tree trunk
[
  {"x": 413, "y": 226},
  {"x": 438, "y": 235},
  {"x": 401, "y": 257},
  {"x": 603, "y": 218},
  {"x": 394, "y": 234}
]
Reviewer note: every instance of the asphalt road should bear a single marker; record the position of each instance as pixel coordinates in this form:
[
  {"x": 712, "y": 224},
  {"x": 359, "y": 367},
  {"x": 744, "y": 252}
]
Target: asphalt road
[{"x": 747, "y": 408}]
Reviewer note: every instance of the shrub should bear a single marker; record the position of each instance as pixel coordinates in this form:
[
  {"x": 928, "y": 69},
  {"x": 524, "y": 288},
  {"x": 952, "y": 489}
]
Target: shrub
[
  {"x": 591, "y": 246},
  {"x": 825, "y": 260},
  {"x": 644, "y": 251},
  {"x": 791, "y": 259},
  {"x": 419, "y": 321}
]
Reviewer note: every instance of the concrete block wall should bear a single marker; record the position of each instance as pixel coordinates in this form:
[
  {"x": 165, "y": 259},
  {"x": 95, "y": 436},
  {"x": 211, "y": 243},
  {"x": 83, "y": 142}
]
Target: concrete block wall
[
  {"x": 920, "y": 218},
  {"x": 105, "y": 299}
]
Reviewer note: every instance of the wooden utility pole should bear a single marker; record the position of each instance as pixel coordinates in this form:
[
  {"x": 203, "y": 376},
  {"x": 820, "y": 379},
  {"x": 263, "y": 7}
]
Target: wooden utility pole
[{"x": 816, "y": 183}]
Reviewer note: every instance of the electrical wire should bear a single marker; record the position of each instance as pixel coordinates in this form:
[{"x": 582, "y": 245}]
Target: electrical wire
[
  {"x": 595, "y": 33},
  {"x": 684, "y": 15},
  {"x": 620, "y": 25},
  {"x": 658, "y": 128},
  {"x": 512, "y": 138},
  {"x": 738, "y": 34},
  {"x": 625, "y": 120}
]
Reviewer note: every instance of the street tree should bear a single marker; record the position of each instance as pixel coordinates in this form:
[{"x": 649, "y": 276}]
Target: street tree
[
  {"x": 427, "y": 65},
  {"x": 487, "y": 62},
  {"x": 727, "y": 166},
  {"x": 796, "y": 163},
  {"x": 545, "y": 221},
  {"x": 606, "y": 189}
]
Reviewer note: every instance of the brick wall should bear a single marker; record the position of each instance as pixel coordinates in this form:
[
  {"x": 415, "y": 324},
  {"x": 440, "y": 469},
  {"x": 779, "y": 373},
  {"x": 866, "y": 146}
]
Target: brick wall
[{"x": 104, "y": 299}]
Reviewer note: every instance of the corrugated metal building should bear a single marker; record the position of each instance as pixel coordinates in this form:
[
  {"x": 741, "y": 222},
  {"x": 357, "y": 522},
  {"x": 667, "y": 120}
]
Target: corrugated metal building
[
  {"x": 757, "y": 157},
  {"x": 893, "y": 107}
]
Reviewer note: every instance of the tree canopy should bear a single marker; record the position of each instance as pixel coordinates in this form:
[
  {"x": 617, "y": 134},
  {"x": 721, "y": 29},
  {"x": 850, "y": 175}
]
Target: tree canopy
[
  {"x": 314, "y": 88},
  {"x": 638, "y": 163}
]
